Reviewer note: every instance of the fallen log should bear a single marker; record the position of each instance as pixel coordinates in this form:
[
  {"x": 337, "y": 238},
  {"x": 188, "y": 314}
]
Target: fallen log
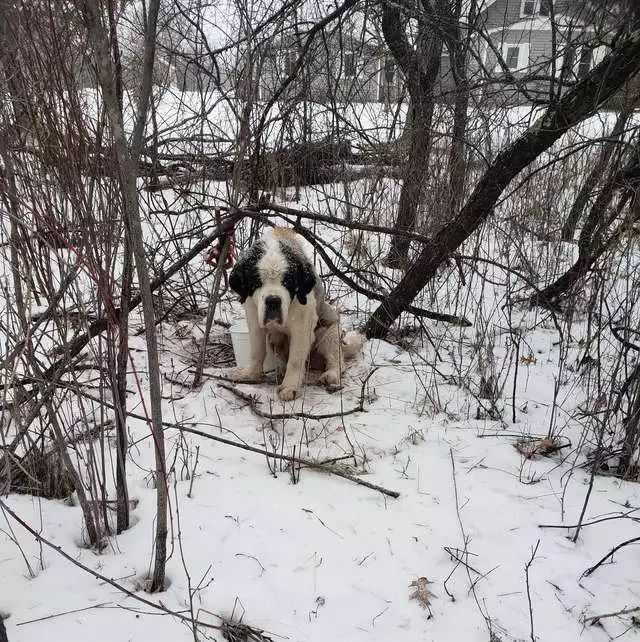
[{"x": 303, "y": 164}]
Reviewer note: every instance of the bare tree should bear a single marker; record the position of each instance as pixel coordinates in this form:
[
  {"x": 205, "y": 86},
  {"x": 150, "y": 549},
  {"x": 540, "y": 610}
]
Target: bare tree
[
  {"x": 581, "y": 101},
  {"x": 127, "y": 166},
  {"x": 420, "y": 66}
]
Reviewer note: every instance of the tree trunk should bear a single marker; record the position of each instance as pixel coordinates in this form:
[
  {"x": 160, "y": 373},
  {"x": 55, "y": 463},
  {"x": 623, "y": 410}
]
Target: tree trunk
[
  {"x": 572, "y": 108},
  {"x": 458, "y": 48},
  {"x": 591, "y": 245},
  {"x": 631, "y": 437},
  {"x": 420, "y": 68},
  {"x": 569, "y": 227},
  {"x": 413, "y": 180},
  {"x": 126, "y": 161},
  {"x": 120, "y": 398},
  {"x": 122, "y": 355}
]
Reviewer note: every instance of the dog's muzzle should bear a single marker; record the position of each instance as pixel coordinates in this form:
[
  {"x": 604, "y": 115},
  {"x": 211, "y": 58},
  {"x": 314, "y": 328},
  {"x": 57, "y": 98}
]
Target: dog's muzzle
[{"x": 273, "y": 309}]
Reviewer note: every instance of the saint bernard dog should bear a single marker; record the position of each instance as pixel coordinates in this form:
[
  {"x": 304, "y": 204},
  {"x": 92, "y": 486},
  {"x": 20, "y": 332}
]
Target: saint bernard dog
[{"x": 284, "y": 304}]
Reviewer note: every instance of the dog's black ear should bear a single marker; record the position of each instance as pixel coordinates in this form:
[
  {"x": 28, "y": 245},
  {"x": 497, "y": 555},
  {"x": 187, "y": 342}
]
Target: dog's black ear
[
  {"x": 306, "y": 281},
  {"x": 239, "y": 280},
  {"x": 244, "y": 279}
]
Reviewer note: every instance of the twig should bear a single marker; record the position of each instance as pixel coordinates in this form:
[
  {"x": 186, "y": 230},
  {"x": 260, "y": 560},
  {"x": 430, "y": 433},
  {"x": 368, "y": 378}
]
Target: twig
[
  {"x": 526, "y": 572},
  {"x": 54, "y": 615},
  {"x": 255, "y": 559},
  {"x": 193, "y": 472},
  {"x": 456, "y": 557},
  {"x": 373, "y": 621},
  {"x": 593, "y": 568},
  {"x": 515, "y": 379},
  {"x": 465, "y": 540},
  {"x": 97, "y": 575},
  {"x": 213, "y": 303},
  {"x": 594, "y": 619},
  {"x": 296, "y": 460},
  {"x": 194, "y": 626},
  {"x": 596, "y": 521},
  {"x": 254, "y": 404}
]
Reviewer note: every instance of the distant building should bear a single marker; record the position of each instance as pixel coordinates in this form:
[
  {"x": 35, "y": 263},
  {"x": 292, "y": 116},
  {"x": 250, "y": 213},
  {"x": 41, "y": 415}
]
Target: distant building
[
  {"x": 342, "y": 67},
  {"x": 521, "y": 51},
  {"x": 524, "y": 49}
]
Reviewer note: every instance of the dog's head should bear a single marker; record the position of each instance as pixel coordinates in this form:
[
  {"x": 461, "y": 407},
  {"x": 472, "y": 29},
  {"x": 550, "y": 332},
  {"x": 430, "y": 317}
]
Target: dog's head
[{"x": 275, "y": 273}]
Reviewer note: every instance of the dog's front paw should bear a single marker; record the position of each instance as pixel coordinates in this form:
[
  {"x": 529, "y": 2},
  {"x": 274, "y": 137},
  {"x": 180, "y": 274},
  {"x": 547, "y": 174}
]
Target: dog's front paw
[
  {"x": 287, "y": 392},
  {"x": 245, "y": 375},
  {"x": 329, "y": 378}
]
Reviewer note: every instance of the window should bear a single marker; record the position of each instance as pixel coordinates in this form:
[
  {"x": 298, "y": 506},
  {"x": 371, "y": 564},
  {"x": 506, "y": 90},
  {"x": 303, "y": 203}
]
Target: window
[
  {"x": 349, "y": 64},
  {"x": 289, "y": 60},
  {"x": 584, "y": 63},
  {"x": 513, "y": 54},
  {"x": 531, "y": 8},
  {"x": 598, "y": 55},
  {"x": 389, "y": 70},
  {"x": 568, "y": 61},
  {"x": 575, "y": 63},
  {"x": 516, "y": 57}
]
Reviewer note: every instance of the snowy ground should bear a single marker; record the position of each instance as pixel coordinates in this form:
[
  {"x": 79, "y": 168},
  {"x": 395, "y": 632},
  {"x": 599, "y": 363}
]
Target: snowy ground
[{"x": 325, "y": 558}]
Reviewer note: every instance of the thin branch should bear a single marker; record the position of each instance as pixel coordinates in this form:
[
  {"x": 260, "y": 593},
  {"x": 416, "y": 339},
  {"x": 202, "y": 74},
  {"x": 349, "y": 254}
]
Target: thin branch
[
  {"x": 526, "y": 572},
  {"x": 596, "y": 566}
]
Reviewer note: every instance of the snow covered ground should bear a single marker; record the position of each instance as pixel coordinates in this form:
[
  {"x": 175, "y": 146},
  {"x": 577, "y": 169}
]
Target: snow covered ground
[{"x": 327, "y": 559}]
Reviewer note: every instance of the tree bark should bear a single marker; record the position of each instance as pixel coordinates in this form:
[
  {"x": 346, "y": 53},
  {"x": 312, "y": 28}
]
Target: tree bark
[
  {"x": 122, "y": 490},
  {"x": 579, "y": 204},
  {"x": 8, "y": 55},
  {"x": 598, "y": 86},
  {"x": 420, "y": 68},
  {"x": 631, "y": 437},
  {"x": 458, "y": 48},
  {"x": 122, "y": 355},
  {"x": 591, "y": 244},
  {"x": 127, "y": 169}
]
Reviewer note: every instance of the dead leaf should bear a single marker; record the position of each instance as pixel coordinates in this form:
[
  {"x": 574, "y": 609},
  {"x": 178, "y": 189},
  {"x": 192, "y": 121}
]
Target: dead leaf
[
  {"x": 422, "y": 592},
  {"x": 533, "y": 448}
]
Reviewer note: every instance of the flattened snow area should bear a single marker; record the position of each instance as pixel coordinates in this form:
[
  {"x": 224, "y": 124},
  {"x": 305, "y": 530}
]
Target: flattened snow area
[{"x": 326, "y": 559}]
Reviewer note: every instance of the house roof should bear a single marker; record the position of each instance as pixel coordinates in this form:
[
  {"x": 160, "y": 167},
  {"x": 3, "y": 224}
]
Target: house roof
[{"x": 482, "y": 5}]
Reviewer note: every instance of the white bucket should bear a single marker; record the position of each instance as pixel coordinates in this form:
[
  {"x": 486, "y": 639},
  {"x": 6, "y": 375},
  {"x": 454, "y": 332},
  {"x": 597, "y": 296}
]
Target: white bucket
[{"x": 242, "y": 347}]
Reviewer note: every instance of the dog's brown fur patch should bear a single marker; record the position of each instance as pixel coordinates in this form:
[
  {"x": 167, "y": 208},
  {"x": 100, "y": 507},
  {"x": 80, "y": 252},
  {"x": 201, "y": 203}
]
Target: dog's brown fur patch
[{"x": 285, "y": 233}]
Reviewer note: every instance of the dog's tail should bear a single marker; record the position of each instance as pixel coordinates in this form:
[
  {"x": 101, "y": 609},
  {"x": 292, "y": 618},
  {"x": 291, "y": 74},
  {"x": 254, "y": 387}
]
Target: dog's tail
[{"x": 352, "y": 343}]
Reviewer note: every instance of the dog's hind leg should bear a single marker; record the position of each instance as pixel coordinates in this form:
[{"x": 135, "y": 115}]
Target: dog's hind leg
[{"x": 329, "y": 346}]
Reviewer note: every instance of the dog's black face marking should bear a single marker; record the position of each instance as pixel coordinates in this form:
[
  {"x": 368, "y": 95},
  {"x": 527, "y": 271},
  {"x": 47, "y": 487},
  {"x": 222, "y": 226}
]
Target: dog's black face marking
[
  {"x": 299, "y": 279},
  {"x": 245, "y": 279}
]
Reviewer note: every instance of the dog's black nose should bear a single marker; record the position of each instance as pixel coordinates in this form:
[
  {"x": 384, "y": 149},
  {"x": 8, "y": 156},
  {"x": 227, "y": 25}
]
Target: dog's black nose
[{"x": 272, "y": 308}]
